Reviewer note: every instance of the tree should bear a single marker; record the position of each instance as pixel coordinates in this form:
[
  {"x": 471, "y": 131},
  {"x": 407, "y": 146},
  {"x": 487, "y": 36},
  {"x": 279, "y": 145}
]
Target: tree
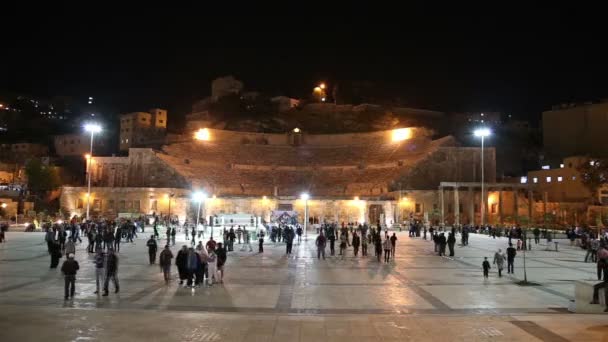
[
  {"x": 594, "y": 174},
  {"x": 41, "y": 178}
]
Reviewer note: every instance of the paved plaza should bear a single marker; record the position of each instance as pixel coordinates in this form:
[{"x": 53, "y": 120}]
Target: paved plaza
[{"x": 272, "y": 297}]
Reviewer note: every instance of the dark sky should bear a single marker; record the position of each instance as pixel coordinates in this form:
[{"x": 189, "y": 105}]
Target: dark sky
[{"x": 516, "y": 60}]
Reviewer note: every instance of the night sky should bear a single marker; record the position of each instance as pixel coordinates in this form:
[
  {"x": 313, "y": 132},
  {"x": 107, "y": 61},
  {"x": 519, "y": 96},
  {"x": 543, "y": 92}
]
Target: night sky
[{"x": 138, "y": 59}]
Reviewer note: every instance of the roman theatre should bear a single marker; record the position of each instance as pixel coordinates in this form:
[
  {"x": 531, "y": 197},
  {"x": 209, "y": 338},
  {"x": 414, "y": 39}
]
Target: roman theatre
[{"x": 387, "y": 176}]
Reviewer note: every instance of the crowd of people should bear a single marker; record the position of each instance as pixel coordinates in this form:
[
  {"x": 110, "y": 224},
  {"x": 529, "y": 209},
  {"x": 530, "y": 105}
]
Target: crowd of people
[
  {"x": 203, "y": 264},
  {"x": 357, "y": 236}
]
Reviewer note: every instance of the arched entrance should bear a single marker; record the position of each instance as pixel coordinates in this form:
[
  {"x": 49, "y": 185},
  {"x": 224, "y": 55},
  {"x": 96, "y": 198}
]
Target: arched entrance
[{"x": 376, "y": 213}]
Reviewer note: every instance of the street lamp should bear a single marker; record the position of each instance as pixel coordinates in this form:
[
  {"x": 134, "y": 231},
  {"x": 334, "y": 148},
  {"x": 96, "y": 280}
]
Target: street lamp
[
  {"x": 305, "y": 198},
  {"x": 482, "y": 133},
  {"x": 199, "y": 197},
  {"x": 92, "y": 128}
]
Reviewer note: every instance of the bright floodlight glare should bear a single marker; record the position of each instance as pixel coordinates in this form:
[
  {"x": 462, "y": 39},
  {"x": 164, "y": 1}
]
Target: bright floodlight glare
[
  {"x": 93, "y": 128},
  {"x": 199, "y": 196},
  {"x": 400, "y": 134},
  {"x": 482, "y": 132},
  {"x": 304, "y": 196}
]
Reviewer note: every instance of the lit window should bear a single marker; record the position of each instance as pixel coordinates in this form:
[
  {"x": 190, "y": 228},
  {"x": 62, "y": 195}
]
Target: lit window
[
  {"x": 524, "y": 180},
  {"x": 561, "y": 166},
  {"x": 535, "y": 180},
  {"x": 546, "y": 167},
  {"x": 559, "y": 178},
  {"x": 548, "y": 179}
]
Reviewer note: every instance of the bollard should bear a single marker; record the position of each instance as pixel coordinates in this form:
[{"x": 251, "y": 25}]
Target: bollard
[
  {"x": 529, "y": 244},
  {"x": 556, "y": 246}
]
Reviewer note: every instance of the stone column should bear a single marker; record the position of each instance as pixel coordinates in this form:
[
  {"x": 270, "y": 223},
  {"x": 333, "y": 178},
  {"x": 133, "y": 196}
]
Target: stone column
[
  {"x": 472, "y": 206},
  {"x": 456, "y": 207},
  {"x": 500, "y": 213},
  {"x": 442, "y": 221}
]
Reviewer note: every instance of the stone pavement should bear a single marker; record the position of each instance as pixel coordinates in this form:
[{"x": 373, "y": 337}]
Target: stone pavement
[{"x": 419, "y": 296}]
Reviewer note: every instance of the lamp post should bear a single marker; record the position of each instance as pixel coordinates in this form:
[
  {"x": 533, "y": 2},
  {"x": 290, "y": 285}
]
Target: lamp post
[
  {"x": 305, "y": 198},
  {"x": 170, "y": 198},
  {"x": 199, "y": 197},
  {"x": 482, "y": 133},
  {"x": 91, "y": 128}
]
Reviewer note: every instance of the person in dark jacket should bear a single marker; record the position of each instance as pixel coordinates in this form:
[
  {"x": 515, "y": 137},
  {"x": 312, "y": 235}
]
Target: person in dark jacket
[
  {"x": 69, "y": 269},
  {"x": 356, "y": 242},
  {"x": 511, "y": 252},
  {"x": 152, "y": 248},
  {"x": 117, "y": 238},
  {"x": 221, "y": 261},
  {"x": 180, "y": 262},
  {"x": 164, "y": 261},
  {"x": 289, "y": 237},
  {"x": 442, "y": 243},
  {"x": 100, "y": 260},
  {"x": 451, "y": 242},
  {"x": 111, "y": 272},
  {"x": 55, "y": 254}
]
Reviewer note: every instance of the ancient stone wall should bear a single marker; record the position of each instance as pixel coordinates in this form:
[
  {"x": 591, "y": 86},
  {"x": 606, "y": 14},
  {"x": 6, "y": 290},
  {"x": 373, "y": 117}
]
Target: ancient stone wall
[
  {"x": 450, "y": 164},
  {"x": 142, "y": 168}
]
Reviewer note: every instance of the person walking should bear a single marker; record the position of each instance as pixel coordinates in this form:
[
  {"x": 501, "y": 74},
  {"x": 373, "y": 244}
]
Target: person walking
[
  {"x": 152, "y": 248},
  {"x": 69, "y": 269},
  {"x": 387, "y": 249},
  {"x": 363, "y": 245},
  {"x": 536, "y": 233},
  {"x": 117, "y": 238},
  {"x": 164, "y": 260},
  {"x": 442, "y": 243},
  {"x": 246, "y": 240},
  {"x": 111, "y": 273},
  {"x": 289, "y": 237},
  {"x": 499, "y": 261},
  {"x": 343, "y": 242},
  {"x": 70, "y": 247},
  {"x": 193, "y": 234},
  {"x": 331, "y": 236},
  {"x": 393, "y": 244},
  {"x": 173, "y": 233},
  {"x": 378, "y": 245},
  {"x": 299, "y": 234},
  {"x": 451, "y": 242},
  {"x": 320, "y": 242},
  {"x": 211, "y": 267},
  {"x": 221, "y": 262},
  {"x": 486, "y": 267},
  {"x": 99, "y": 269},
  {"x": 356, "y": 243},
  {"x": 592, "y": 248},
  {"x": 192, "y": 264},
  {"x": 511, "y": 253},
  {"x": 91, "y": 239},
  {"x": 602, "y": 269},
  {"x": 261, "y": 241},
  {"x": 55, "y": 254},
  {"x": 180, "y": 262}
]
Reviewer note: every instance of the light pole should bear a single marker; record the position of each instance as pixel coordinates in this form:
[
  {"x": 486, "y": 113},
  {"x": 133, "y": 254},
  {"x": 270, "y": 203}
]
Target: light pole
[
  {"x": 170, "y": 198},
  {"x": 305, "y": 198},
  {"x": 482, "y": 133},
  {"x": 92, "y": 128}
]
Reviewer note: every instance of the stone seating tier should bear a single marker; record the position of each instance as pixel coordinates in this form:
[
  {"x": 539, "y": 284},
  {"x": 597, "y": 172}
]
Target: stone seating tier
[{"x": 356, "y": 155}]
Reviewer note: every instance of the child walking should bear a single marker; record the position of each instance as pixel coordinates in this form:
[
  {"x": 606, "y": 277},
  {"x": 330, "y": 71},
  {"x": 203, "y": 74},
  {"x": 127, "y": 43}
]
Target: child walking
[{"x": 486, "y": 267}]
